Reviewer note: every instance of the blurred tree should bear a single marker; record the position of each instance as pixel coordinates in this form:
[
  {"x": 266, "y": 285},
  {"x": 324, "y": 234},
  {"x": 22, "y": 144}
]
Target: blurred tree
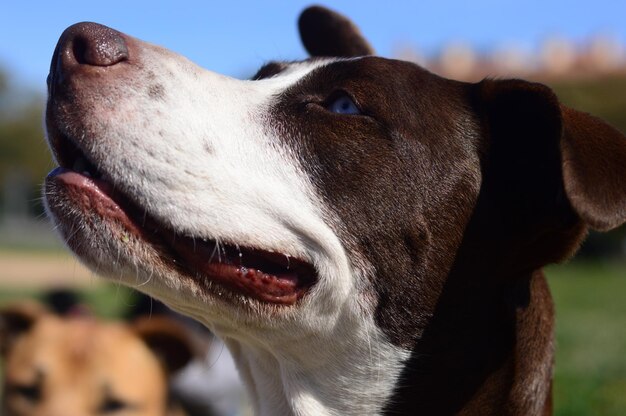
[
  {"x": 23, "y": 151},
  {"x": 3, "y": 82},
  {"x": 604, "y": 97}
]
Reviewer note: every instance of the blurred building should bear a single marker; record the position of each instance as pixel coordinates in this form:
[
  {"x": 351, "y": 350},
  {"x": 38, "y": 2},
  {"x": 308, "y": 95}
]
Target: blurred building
[{"x": 555, "y": 57}]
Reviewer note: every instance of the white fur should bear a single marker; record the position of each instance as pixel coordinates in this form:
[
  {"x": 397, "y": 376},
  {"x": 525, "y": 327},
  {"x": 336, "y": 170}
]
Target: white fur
[{"x": 203, "y": 157}]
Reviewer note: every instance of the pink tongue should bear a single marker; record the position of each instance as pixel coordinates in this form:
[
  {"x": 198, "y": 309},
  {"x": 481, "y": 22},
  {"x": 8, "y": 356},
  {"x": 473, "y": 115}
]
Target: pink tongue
[
  {"x": 95, "y": 195},
  {"x": 72, "y": 178}
]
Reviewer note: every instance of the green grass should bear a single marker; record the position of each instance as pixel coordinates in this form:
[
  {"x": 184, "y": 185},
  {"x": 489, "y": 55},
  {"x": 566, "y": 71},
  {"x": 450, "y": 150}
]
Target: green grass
[
  {"x": 590, "y": 374},
  {"x": 604, "y": 97}
]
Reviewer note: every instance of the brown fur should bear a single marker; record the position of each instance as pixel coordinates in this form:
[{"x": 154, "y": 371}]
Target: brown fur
[
  {"x": 471, "y": 189},
  {"x": 56, "y": 366}
]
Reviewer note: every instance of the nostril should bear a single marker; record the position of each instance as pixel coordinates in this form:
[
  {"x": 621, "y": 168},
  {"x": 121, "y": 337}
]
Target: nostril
[
  {"x": 79, "y": 50},
  {"x": 97, "y": 45}
]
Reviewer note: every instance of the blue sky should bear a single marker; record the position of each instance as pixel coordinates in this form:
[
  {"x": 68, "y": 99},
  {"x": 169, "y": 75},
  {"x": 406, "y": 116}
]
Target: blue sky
[{"x": 235, "y": 37}]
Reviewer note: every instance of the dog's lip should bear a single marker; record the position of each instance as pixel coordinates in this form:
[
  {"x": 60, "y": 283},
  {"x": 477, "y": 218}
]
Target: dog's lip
[
  {"x": 255, "y": 273},
  {"x": 267, "y": 276},
  {"x": 98, "y": 192}
]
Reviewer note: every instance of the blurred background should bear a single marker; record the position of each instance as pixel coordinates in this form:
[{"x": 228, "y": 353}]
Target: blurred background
[{"x": 579, "y": 49}]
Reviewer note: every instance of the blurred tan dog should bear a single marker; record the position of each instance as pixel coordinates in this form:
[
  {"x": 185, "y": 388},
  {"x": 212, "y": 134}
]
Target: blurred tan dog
[{"x": 80, "y": 366}]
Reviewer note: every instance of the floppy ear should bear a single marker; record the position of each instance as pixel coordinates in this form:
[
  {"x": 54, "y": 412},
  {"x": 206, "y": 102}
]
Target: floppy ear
[
  {"x": 326, "y": 33},
  {"x": 17, "y": 319},
  {"x": 594, "y": 169},
  {"x": 548, "y": 159},
  {"x": 168, "y": 339}
]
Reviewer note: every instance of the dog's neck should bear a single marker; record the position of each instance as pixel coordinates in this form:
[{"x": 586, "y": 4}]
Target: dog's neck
[
  {"x": 488, "y": 352},
  {"x": 354, "y": 374},
  {"x": 365, "y": 374}
]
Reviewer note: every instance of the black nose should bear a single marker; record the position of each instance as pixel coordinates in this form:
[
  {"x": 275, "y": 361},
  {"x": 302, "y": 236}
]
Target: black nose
[
  {"x": 93, "y": 44},
  {"x": 87, "y": 45}
]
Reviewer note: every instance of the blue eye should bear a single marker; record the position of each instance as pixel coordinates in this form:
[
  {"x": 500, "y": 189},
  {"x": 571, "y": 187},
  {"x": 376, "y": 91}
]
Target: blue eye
[{"x": 343, "y": 105}]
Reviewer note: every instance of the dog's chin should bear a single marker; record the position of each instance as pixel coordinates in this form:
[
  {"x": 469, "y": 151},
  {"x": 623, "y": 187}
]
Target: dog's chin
[{"x": 118, "y": 239}]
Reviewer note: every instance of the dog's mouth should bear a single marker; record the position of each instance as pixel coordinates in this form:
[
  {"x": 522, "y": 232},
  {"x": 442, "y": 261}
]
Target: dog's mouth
[{"x": 260, "y": 274}]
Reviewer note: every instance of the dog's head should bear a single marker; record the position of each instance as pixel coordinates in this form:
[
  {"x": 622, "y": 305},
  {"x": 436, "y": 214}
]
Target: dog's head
[
  {"x": 79, "y": 365},
  {"x": 322, "y": 200}
]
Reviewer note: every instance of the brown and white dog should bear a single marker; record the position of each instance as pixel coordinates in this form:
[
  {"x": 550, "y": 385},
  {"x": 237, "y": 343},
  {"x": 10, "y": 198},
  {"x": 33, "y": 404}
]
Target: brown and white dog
[
  {"x": 78, "y": 365},
  {"x": 367, "y": 237}
]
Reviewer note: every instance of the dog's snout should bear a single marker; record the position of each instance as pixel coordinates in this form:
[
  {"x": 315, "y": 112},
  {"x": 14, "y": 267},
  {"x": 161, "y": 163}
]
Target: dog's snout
[{"x": 87, "y": 45}]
